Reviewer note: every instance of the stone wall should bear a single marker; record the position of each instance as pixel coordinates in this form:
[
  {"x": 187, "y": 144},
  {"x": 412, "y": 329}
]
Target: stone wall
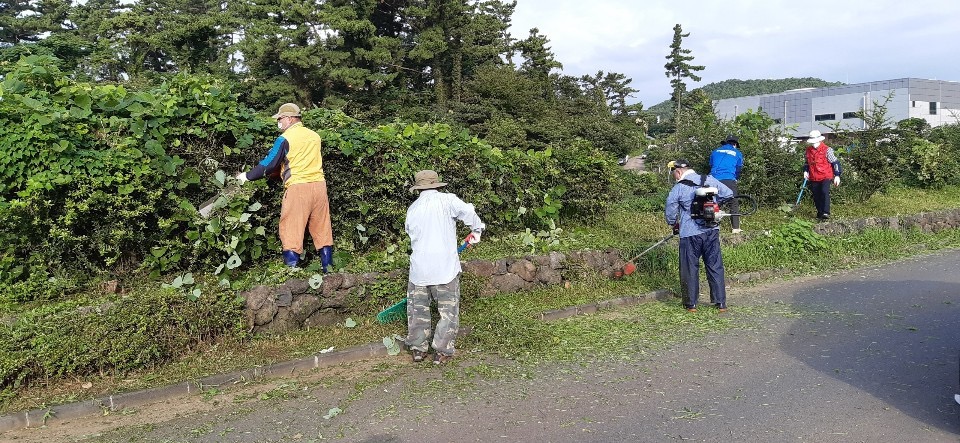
[{"x": 296, "y": 305}]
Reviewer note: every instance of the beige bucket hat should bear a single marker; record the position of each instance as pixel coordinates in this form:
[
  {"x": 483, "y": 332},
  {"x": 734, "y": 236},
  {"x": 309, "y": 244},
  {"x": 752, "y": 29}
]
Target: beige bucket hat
[{"x": 426, "y": 179}]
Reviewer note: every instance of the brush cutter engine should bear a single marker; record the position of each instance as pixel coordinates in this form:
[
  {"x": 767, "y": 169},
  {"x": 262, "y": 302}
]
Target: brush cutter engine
[{"x": 705, "y": 208}]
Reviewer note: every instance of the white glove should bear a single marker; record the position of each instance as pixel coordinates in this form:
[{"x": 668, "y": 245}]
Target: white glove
[
  {"x": 806, "y": 175},
  {"x": 473, "y": 238},
  {"x": 836, "y": 180},
  {"x": 242, "y": 177}
]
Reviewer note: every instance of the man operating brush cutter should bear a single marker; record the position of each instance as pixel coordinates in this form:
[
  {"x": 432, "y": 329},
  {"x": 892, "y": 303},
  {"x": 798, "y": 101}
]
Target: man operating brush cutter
[
  {"x": 692, "y": 209},
  {"x": 706, "y": 209}
]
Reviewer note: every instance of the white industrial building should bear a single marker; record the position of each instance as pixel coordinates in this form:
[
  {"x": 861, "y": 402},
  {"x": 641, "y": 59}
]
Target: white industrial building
[{"x": 803, "y": 110}]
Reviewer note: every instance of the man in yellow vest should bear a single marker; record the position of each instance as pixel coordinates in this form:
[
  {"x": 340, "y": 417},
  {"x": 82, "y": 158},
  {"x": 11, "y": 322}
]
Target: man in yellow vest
[{"x": 296, "y": 155}]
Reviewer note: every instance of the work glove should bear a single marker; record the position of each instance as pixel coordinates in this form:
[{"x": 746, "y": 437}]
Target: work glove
[
  {"x": 806, "y": 175},
  {"x": 473, "y": 238},
  {"x": 836, "y": 180},
  {"x": 676, "y": 228},
  {"x": 242, "y": 177}
]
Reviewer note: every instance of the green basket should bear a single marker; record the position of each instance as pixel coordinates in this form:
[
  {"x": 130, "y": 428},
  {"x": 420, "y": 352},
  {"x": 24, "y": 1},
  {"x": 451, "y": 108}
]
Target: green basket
[
  {"x": 399, "y": 310},
  {"x": 393, "y": 313}
]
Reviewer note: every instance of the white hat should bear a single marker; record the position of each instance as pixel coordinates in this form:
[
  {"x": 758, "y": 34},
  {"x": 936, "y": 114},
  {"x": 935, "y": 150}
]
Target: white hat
[{"x": 815, "y": 136}]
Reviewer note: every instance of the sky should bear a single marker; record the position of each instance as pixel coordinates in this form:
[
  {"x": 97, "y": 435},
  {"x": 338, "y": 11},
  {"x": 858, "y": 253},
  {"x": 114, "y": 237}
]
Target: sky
[{"x": 849, "y": 41}]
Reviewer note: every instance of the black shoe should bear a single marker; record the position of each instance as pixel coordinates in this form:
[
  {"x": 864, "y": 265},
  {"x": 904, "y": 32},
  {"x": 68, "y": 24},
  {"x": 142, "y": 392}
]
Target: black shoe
[
  {"x": 419, "y": 356},
  {"x": 439, "y": 359}
]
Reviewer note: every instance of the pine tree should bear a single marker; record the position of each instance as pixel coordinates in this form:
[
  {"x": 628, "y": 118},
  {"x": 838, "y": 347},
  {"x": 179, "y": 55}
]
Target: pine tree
[{"x": 678, "y": 66}]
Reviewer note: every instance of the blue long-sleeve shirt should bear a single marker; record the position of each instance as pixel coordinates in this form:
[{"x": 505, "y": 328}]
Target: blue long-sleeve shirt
[
  {"x": 680, "y": 199},
  {"x": 726, "y": 162}
]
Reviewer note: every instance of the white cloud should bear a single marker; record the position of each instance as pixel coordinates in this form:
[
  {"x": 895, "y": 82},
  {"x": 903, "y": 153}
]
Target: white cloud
[{"x": 850, "y": 41}]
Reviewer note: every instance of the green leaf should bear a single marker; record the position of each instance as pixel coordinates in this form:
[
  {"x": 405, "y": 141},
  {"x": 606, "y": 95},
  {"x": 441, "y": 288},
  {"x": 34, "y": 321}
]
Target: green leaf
[
  {"x": 391, "y": 344},
  {"x": 234, "y": 261},
  {"x": 333, "y": 412},
  {"x": 350, "y": 323},
  {"x": 31, "y": 103},
  {"x": 220, "y": 177},
  {"x": 316, "y": 280},
  {"x": 254, "y": 207},
  {"x": 188, "y": 278}
]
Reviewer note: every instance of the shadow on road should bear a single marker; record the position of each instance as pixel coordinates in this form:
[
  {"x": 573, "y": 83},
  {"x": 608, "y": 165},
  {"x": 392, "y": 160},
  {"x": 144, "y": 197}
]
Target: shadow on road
[{"x": 896, "y": 340}]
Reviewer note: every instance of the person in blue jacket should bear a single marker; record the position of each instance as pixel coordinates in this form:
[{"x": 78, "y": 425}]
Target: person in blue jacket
[
  {"x": 726, "y": 163},
  {"x": 698, "y": 239}
]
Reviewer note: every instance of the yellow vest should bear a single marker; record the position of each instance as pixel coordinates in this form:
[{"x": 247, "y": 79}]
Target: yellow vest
[{"x": 304, "y": 162}]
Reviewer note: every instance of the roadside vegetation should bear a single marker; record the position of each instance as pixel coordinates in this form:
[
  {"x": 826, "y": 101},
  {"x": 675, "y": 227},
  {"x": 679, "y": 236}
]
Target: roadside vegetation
[{"x": 111, "y": 134}]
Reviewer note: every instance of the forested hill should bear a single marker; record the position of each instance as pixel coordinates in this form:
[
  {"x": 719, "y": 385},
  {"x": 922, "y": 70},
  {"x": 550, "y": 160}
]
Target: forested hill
[{"x": 744, "y": 88}]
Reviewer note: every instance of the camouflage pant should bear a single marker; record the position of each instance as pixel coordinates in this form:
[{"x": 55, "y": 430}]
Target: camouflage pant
[{"x": 419, "y": 322}]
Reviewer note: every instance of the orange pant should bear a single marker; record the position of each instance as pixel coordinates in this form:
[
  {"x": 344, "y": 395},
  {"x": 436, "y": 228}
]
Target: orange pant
[{"x": 305, "y": 205}]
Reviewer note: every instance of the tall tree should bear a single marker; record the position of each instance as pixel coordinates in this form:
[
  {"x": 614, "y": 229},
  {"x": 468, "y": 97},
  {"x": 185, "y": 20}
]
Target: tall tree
[
  {"x": 26, "y": 21},
  {"x": 678, "y": 66}
]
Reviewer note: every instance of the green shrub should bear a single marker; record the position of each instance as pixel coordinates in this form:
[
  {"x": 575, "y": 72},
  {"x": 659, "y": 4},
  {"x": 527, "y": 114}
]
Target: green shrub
[
  {"x": 110, "y": 336},
  {"x": 101, "y": 180}
]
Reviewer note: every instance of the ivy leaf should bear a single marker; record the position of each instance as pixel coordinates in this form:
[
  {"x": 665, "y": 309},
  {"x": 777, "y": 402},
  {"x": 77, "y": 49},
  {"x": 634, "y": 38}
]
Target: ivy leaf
[
  {"x": 254, "y": 207},
  {"x": 392, "y": 347},
  {"x": 188, "y": 207},
  {"x": 316, "y": 280},
  {"x": 245, "y": 217},
  {"x": 234, "y": 261},
  {"x": 195, "y": 295},
  {"x": 31, "y": 103},
  {"x": 350, "y": 323},
  {"x": 219, "y": 269},
  {"x": 220, "y": 177},
  {"x": 188, "y": 278},
  {"x": 333, "y": 412},
  {"x": 261, "y": 231}
]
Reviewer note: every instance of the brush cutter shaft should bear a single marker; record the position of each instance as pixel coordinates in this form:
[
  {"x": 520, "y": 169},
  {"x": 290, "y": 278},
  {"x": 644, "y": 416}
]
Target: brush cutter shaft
[
  {"x": 651, "y": 248},
  {"x": 751, "y": 207},
  {"x": 802, "y": 187}
]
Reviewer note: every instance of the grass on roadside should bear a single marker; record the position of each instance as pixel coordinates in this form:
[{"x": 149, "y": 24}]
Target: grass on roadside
[{"x": 505, "y": 324}]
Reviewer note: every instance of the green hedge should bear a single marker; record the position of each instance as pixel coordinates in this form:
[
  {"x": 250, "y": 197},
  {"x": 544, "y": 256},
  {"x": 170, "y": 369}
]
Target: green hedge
[
  {"x": 98, "y": 180},
  {"x": 115, "y": 336}
]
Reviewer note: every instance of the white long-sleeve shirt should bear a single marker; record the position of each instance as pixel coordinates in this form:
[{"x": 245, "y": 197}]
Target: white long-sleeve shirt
[{"x": 432, "y": 226}]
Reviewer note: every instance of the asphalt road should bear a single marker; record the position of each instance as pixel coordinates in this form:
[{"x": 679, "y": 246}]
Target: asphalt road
[{"x": 864, "y": 356}]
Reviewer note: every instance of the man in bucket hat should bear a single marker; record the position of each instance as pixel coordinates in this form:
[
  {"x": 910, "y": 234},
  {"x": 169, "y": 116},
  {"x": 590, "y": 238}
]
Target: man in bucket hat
[
  {"x": 296, "y": 157},
  {"x": 821, "y": 169},
  {"x": 435, "y": 266}
]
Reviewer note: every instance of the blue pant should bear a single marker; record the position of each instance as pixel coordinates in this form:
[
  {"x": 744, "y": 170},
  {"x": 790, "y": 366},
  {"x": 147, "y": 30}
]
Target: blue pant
[
  {"x": 821, "y": 196},
  {"x": 707, "y": 246}
]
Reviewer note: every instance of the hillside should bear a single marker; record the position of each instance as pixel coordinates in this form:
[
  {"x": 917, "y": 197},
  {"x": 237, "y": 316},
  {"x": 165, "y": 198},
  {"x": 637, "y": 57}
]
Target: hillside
[{"x": 743, "y": 88}]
